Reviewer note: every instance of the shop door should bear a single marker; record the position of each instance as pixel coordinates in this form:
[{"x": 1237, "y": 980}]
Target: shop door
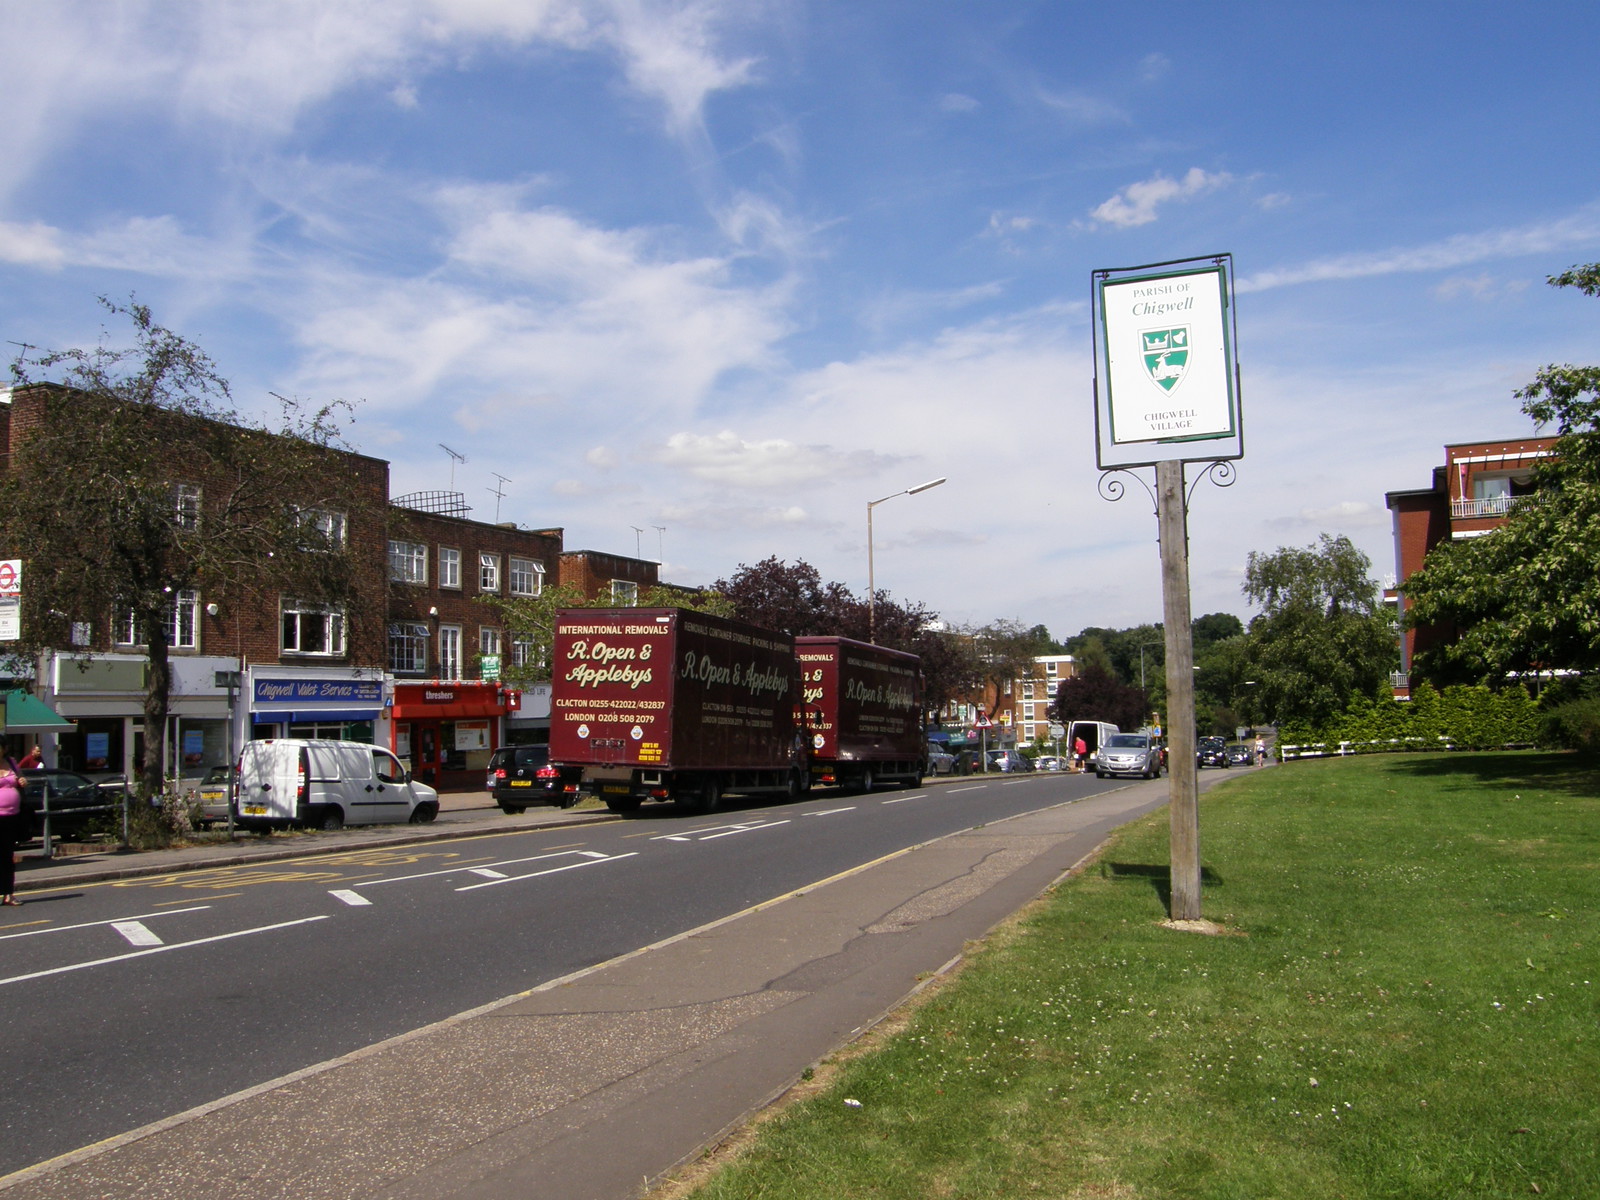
[{"x": 425, "y": 752}]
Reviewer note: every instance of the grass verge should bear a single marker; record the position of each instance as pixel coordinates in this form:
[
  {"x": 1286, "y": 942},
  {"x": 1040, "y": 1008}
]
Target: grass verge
[{"x": 1407, "y": 1007}]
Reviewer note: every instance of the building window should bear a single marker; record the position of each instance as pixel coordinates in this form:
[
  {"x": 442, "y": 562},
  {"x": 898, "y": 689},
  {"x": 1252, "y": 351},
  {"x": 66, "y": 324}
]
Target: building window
[
  {"x": 488, "y": 640},
  {"x": 624, "y": 593},
  {"x": 524, "y": 652},
  {"x": 488, "y": 572},
  {"x": 312, "y": 628},
  {"x": 527, "y": 577},
  {"x": 449, "y": 652},
  {"x": 1050, "y": 668},
  {"x": 449, "y": 567},
  {"x": 408, "y": 562},
  {"x": 408, "y": 648},
  {"x": 182, "y": 621},
  {"x": 324, "y": 528},
  {"x": 1027, "y": 689},
  {"x": 188, "y": 505}
]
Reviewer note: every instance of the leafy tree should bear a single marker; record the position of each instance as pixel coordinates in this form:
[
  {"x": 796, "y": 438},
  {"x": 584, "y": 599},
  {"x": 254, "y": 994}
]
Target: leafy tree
[
  {"x": 1528, "y": 596},
  {"x": 1323, "y": 636},
  {"x": 1095, "y": 694},
  {"x": 1005, "y": 653},
  {"x": 92, "y": 501}
]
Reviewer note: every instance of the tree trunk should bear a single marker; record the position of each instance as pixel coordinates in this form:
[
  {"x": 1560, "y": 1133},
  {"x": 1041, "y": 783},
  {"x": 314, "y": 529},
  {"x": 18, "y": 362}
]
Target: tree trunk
[{"x": 157, "y": 699}]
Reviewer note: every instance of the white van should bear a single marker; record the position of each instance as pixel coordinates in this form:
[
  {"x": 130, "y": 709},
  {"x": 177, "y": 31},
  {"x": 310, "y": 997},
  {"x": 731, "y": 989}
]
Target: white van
[
  {"x": 327, "y": 785},
  {"x": 1094, "y": 735}
]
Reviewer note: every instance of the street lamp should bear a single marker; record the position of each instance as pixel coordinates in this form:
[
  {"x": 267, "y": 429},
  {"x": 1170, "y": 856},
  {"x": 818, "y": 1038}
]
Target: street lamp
[{"x": 872, "y": 614}]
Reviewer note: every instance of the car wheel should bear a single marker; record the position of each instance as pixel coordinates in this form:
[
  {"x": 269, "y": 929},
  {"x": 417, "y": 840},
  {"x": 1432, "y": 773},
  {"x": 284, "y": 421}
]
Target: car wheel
[
  {"x": 511, "y": 809},
  {"x": 332, "y": 819},
  {"x": 423, "y": 814},
  {"x": 566, "y": 799}
]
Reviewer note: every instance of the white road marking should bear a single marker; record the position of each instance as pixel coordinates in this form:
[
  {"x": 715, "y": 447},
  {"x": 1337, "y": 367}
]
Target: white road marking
[
  {"x": 488, "y": 872},
  {"x": 828, "y": 812},
  {"x": 592, "y": 862},
  {"x": 977, "y": 787},
  {"x": 136, "y": 933},
  {"x": 353, "y": 899},
  {"x": 897, "y": 800},
  {"x": 716, "y": 831},
  {"x": 460, "y": 867},
  {"x": 100, "y": 962},
  {"x": 94, "y": 924}
]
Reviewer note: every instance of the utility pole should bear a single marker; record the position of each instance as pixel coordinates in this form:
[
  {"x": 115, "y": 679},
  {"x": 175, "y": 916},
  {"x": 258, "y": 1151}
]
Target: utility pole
[{"x": 1182, "y": 772}]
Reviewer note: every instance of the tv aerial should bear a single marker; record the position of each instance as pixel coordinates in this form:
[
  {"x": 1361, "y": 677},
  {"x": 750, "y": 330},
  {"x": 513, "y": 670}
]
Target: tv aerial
[{"x": 455, "y": 457}]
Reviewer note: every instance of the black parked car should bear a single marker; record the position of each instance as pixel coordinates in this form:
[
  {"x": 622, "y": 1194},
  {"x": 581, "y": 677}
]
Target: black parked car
[
  {"x": 522, "y": 775},
  {"x": 74, "y": 800},
  {"x": 1212, "y": 752}
]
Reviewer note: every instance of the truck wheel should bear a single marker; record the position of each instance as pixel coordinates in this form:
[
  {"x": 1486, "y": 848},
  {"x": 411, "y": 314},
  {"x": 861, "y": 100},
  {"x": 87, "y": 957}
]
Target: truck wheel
[
  {"x": 866, "y": 780},
  {"x": 792, "y": 790},
  {"x": 566, "y": 799},
  {"x": 710, "y": 797},
  {"x": 332, "y": 819},
  {"x": 626, "y": 805}
]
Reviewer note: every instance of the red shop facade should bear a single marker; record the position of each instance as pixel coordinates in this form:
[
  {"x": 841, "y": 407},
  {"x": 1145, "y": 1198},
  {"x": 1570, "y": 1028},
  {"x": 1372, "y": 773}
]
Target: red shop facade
[{"x": 445, "y": 732}]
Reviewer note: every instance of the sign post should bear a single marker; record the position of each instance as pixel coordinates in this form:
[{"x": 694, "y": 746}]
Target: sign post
[{"x": 1164, "y": 348}]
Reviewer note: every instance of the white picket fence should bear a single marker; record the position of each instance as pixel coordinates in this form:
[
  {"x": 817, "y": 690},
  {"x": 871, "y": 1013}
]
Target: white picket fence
[{"x": 1377, "y": 745}]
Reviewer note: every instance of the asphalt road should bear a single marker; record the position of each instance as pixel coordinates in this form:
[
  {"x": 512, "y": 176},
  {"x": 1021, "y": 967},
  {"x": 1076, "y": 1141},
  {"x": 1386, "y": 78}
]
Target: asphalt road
[{"x": 131, "y": 1001}]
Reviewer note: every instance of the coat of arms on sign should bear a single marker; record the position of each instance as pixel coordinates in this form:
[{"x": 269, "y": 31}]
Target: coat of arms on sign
[{"x": 1166, "y": 355}]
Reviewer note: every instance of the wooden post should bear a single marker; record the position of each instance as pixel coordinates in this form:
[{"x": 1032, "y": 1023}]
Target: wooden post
[{"x": 1183, "y": 773}]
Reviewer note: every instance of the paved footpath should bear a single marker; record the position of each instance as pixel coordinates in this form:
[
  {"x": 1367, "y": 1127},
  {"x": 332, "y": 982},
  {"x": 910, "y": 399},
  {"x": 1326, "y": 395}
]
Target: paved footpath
[{"x": 595, "y": 1086}]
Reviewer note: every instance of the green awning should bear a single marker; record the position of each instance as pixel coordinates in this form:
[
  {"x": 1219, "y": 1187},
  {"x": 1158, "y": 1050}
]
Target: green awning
[{"x": 24, "y": 713}]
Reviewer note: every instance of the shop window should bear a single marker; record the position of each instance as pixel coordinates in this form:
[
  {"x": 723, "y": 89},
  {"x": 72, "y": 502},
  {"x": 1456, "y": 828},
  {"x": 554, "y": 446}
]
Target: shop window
[
  {"x": 408, "y": 648},
  {"x": 449, "y": 567},
  {"x": 408, "y": 562},
  {"x": 527, "y": 577},
  {"x": 311, "y": 628},
  {"x": 449, "y": 652},
  {"x": 488, "y": 572}
]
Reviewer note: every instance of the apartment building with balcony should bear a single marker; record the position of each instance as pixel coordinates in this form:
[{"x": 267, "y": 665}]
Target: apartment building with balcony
[{"x": 1471, "y": 493}]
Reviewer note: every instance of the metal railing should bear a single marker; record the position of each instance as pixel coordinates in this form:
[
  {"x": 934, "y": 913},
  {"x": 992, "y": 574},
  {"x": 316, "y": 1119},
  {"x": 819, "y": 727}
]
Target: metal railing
[{"x": 1485, "y": 506}]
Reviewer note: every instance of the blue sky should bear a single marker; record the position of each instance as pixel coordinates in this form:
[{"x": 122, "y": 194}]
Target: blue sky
[{"x": 701, "y": 279}]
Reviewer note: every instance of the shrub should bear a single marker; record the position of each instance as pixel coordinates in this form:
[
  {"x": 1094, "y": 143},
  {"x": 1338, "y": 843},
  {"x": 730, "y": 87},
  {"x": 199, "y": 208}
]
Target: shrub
[{"x": 1574, "y": 725}]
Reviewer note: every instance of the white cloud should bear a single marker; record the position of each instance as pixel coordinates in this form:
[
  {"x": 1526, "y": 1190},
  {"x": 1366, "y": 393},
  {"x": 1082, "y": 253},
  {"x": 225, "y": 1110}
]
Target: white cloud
[
  {"x": 727, "y": 458},
  {"x": 1577, "y": 231},
  {"x": 956, "y": 102},
  {"x": 1136, "y": 204},
  {"x": 603, "y": 457},
  {"x": 34, "y": 244}
]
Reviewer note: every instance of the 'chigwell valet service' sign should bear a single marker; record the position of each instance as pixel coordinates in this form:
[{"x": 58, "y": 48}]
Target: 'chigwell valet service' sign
[{"x": 1167, "y": 362}]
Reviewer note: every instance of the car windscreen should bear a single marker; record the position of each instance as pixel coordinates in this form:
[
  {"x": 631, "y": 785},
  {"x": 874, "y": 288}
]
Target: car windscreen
[{"x": 1126, "y": 741}]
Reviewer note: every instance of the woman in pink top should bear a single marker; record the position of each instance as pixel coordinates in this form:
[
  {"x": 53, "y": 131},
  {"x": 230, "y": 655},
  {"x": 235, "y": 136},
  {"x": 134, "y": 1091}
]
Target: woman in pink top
[{"x": 10, "y": 828}]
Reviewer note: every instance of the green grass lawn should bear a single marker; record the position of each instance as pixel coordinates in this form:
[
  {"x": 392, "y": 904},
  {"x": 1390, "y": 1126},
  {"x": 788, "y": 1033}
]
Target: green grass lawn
[{"x": 1406, "y": 1006}]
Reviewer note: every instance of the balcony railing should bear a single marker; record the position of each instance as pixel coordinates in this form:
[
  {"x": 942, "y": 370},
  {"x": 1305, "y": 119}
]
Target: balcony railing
[{"x": 1487, "y": 506}]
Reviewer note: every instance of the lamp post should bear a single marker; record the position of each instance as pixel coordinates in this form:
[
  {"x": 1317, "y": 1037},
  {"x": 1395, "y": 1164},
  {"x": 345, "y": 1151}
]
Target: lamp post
[{"x": 872, "y": 613}]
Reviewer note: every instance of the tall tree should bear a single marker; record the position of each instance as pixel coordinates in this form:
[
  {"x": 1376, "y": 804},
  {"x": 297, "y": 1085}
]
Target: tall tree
[
  {"x": 142, "y": 482},
  {"x": 1095, "y": 694},
  {"x": 1323, "y": 636},
  {"x": 1528, "y": 595}
]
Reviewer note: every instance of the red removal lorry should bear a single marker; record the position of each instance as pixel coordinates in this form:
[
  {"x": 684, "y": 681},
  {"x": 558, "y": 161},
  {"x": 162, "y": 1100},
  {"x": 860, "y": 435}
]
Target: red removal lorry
[
  {"x": 861, "y": 713},
  {"x": 668, "y": 704}
]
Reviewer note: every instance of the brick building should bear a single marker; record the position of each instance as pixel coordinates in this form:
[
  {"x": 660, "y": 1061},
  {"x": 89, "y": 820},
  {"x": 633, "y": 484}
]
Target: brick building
[{"x": 1471, "y": 493}]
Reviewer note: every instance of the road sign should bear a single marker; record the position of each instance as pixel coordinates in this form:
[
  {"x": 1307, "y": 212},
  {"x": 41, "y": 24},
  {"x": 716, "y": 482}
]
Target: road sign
[
  {"x": 10, "y": 620},
  {"x": 1057, "y": 732},
  {"x": 11, "y": 577}
]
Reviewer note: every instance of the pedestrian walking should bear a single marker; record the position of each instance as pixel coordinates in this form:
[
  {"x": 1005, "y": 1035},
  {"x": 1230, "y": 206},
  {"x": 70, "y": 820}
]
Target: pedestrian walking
[
  {"x": 1261, "y": 753},
  {"x": 33, "y": 759},
  {"x": 10, "y": 829}
]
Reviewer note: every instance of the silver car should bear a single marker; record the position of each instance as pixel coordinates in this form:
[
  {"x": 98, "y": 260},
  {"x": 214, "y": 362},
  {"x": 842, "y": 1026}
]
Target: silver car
[
  {"x": 1128, "y": 754},
  {"x": 940, "y": 760}
]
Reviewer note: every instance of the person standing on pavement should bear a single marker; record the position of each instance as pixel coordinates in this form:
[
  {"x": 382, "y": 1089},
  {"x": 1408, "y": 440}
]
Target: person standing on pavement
[
  {"x": 10, "y": 829},
  {"x": 1080, "y": 752},
  {"x": 33, "y": 759}
]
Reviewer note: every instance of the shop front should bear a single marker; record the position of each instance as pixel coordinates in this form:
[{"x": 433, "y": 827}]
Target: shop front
[
  {"x": 445, "y": 732},
  {"x": 315, "y": 702}
]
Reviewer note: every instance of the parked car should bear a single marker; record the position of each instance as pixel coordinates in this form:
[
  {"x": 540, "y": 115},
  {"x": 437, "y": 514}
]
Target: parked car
[
  {"x": 1009, "y": 760},
  {"x": 213, "y": 796},
  {"x": 326, "y": 784},
  {"x": 968, "y": 762},
  {"x": 1241, "y": 755},
  {"x": 1128, "y": 754},
  {"x": 1049, "y": 762},
  {"x": 74, "y": 800},
  {"x": 1211, "y": 752},
  {"x": 522, "y": 775},
  {"x": 940, "y": 760}
]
